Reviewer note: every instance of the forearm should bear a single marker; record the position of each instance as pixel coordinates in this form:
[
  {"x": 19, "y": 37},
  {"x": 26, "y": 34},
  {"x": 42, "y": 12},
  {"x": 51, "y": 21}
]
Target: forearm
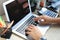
[{"x": 56, "y": 20}]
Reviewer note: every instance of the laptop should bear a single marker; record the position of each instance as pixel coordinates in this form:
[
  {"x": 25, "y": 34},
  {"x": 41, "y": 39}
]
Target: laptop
[
  {"x": 45, "y": 11},
  {"x": 22, "y": 15}
]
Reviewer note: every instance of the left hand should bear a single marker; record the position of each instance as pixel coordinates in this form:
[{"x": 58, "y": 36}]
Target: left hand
[{"x": 34, "y": 32}]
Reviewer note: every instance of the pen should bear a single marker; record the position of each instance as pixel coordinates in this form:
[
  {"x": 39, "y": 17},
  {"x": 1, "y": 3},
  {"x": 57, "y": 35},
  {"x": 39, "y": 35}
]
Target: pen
[{"x": 9, "y": 26}]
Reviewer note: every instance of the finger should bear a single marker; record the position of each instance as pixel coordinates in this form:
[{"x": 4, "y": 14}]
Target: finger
[
  {"x": 28, "y": 29},
  {"x": 36, "y": 19},
  {"x": 30, "y": 26},
  {"x": 10, "y": 24},
  {"x": 33, "y": 26},
  {"x": 28, "y": 32}
]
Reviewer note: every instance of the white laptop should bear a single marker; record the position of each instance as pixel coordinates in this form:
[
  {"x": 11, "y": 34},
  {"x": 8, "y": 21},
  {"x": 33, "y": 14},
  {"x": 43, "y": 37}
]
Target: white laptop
[{"x": 21, "y": 17}]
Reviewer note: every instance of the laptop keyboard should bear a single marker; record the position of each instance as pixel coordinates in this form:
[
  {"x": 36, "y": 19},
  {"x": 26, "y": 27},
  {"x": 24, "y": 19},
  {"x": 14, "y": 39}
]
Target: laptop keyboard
[{"x": 22, "y": 28}]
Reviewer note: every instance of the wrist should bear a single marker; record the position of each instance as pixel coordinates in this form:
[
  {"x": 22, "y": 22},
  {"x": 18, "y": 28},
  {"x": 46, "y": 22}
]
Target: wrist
[
  {"x": 39, "y": 38},
  {"x": 55, "y": 21},
  {"x": 52, "y": 21},
  {"x": 43, "y": 38}
]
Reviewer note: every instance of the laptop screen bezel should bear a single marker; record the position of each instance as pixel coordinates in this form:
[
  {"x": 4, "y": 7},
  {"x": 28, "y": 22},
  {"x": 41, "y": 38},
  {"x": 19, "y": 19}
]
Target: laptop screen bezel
[{"x": 5, "y": 9}]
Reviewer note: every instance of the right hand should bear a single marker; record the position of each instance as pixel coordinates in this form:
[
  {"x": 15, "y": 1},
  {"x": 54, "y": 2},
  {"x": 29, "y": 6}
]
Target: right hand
[
  {"x": 34, "y": 32},
  {"x": 47, "y": 19}
]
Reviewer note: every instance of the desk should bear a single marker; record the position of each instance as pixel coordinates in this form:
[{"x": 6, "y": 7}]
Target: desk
[{"x": 52, "y": 34}]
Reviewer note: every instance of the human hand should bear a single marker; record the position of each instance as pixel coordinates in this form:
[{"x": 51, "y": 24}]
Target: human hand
[
  {"x": 34, "y": 32},
  {"x": 44, "y": 20}
]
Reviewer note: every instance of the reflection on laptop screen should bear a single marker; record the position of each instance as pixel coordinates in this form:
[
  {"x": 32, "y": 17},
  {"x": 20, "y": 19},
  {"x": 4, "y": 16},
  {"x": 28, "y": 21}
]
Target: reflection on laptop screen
[{"x": 17, "y": 10}]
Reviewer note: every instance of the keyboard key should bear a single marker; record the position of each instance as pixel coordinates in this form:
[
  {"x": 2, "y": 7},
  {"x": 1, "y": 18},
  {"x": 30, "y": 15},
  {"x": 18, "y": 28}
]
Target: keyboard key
[{"x": 22, "y": 28}]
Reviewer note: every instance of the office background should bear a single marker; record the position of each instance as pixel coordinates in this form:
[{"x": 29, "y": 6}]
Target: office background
[
  {"x": 52, "y": 34},
  {"x": 1, "y": 7}
]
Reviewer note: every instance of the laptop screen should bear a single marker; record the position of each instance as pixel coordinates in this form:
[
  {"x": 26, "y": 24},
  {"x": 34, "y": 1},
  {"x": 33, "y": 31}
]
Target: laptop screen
[{"x": 17, "y": 10}]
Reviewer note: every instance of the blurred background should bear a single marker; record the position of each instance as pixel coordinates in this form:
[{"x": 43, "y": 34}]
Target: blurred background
[{"x": 1, "y": 7}]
